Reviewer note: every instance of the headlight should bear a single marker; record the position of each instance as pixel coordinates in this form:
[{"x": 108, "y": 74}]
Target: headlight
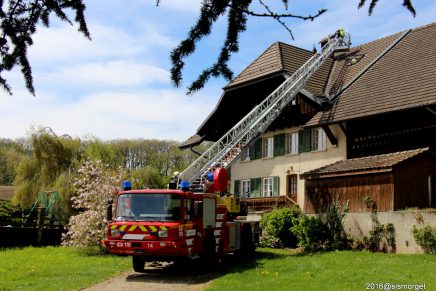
[
  {"x": 115, "y": 232},
  {"x": 162, "y": 233}
]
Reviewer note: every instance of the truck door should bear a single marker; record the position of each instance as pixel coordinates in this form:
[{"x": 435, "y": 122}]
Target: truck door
[{"x": 209, "y": 215}]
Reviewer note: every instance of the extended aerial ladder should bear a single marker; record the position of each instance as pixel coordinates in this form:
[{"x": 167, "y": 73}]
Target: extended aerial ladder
[{"x": 225, "y": 151}]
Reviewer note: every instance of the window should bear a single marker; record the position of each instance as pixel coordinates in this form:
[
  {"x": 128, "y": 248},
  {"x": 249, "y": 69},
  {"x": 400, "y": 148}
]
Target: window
[
  {"x": 255, "y": 189},
  {"x": 292, "y": 185},
  {"x": 318, "y": 139},
  {"x": 245, "y": 188},
  {"x": 149, "y": 207},
  {"x": 267, "y": 187},
  {"x": 268, "y": 147},
  {"x": 245, "y": 155},
  {"x": 349, "y": 61},
  {"x": 292, "y": 143}
]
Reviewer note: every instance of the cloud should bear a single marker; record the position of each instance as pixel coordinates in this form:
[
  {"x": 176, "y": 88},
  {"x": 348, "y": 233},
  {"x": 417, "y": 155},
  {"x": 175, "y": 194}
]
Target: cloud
[
  {"x": 185, "y": 5},
  {"x": 111, "y": 73},
  {"x": 65, "y": 44},
  {"x": 162, "y": 114}
]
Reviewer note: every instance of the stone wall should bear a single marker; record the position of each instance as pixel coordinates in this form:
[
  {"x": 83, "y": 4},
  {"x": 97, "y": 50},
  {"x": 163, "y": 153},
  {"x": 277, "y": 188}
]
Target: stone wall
[{"x": 359, "y": 224}]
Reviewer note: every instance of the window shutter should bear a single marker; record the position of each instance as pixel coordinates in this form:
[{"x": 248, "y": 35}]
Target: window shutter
[
  {"x": 258, "y": 149},
  {"x": 279, "y": 145},
  {"x": 253, "y": 152},
  {"x": 237, "y": 188},
  {"x": 255, "y": 187},
  {"x": 304, "y": 141},
  {"x": 276, "y": 185}
]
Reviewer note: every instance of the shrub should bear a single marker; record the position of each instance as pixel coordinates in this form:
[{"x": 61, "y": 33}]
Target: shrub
[
  {"x": 425, "y": 235},
  {"x": 311, "y": 233},
  {"x": 336, "y": 213},
  {"x": 271, "y": 242},
  {"x": 277, "y": 226},
  {"x": 9, "y": 213},
  {"x": 94, "y": 185},
  {"x": 381, "y": 236}
]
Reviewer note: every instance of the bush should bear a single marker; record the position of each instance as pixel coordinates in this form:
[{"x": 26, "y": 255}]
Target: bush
[
  {"x": 277, "y": 226},
  {"x": 425, "y": 235},
  {"x": 335, "y": 222},
  {"x": 381, "y": 236},
  {"x": 9, "y": 213},
  {"x": 311, "y": 233},
  {"x": 94, "y": 185}
]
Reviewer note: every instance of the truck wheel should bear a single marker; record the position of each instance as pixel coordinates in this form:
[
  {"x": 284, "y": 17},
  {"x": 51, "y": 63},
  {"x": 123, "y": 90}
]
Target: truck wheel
[
  {"x": 209, "y": 254},
  {"x": 138, "y": 264},
  {"x": 247, "y": 243}
]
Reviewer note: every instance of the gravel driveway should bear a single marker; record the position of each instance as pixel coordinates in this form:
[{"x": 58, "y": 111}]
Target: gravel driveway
[{"x": 161, "y": 277}]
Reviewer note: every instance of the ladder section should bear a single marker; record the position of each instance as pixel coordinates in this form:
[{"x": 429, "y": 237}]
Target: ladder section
[{"x": 223, "y": 152}]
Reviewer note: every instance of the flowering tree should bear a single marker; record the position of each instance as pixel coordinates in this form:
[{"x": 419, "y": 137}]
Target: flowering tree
[{"x": 94, "y": 185}]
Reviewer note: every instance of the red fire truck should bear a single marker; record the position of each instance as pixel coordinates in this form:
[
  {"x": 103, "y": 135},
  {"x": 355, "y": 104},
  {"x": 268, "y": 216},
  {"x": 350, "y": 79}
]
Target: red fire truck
[{"x": 174, "y": 225}]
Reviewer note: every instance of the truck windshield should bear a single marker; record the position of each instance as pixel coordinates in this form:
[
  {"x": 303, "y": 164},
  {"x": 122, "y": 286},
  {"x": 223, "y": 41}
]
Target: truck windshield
[{"x": 149, "y": 207}]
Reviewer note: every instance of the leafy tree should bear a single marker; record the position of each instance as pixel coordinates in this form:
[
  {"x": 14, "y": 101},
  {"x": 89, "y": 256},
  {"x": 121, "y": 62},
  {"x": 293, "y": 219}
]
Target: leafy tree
[
  {"x": 11, "y": 153},
  {"x": 148, "y": 178},
  {"x": 52, "y": 157},
  {"x": 94, "y": 185},
  {"x": 109, "y": 153},
  {"x": 19, "y": 20}
]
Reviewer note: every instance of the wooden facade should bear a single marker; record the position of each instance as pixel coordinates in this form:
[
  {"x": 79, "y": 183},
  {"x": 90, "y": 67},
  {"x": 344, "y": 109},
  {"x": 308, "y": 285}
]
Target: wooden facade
[
  {"x": 410, "y": 183},
  {"x": 415, "y": 183},
  {"x": 321, "y": 192}
]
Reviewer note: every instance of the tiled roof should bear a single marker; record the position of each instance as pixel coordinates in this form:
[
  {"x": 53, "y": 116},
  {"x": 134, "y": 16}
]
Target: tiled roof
[
  {"x": 192, "y": 141},
  {"x": 404, "y": 77},
  {"x": 378, "y": 162},
  {"x": 291, "y": 63},
  {"x": 394, "y": 73},
  {"x": 284, "y": 58},
  {"x": 267, "y": 63}
]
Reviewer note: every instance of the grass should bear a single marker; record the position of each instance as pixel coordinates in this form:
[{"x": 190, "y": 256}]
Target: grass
[
  {"x": 59, "y": 268},
  {"x": 55, "y": 268},
  {"x": 286, "y": 270}
]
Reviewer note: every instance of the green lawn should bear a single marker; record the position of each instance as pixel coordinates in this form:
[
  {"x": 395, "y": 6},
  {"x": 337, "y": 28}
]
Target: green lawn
[
  {"x": 286, "y": 270},
  {"x": 58, "y": 268},
  {"x": 55, "y": 268}
]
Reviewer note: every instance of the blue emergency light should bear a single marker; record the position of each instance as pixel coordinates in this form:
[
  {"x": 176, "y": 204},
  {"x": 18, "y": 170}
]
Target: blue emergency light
[
  {"x": 127, "y": 185},
  {"x": 184, "y": 185}
]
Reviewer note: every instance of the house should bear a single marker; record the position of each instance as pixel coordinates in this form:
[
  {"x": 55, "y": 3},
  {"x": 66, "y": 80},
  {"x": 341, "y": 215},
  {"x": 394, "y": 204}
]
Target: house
[{"x": 375, "y": 99}]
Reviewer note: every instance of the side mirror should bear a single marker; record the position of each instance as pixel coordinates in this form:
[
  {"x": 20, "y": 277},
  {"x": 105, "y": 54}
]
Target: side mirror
[{"x": 109, "y": 209}]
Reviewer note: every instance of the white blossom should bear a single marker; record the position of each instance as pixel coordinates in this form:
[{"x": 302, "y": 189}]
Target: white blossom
[{"x": 94, "y": 185}]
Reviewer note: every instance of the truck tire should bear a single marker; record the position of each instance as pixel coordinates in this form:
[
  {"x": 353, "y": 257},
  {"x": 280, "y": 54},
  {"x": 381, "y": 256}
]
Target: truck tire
[
  {"x": 247, "y": 243},
  {"x": 138, "y": 264}
]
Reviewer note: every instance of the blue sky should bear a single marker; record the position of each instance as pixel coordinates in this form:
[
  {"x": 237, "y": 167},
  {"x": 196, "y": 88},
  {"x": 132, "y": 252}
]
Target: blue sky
[{"x": 117, "y": 85}]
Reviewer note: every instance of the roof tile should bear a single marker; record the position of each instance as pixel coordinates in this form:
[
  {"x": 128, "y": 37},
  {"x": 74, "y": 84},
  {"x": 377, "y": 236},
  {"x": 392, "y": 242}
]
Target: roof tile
[
  {"x": 366, "y": 163},
  {"x": 405, "y": 77}
]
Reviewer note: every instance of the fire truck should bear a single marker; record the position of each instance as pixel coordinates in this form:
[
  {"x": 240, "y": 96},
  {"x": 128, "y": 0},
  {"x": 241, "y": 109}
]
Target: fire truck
[{"x": 178, "y": 225}]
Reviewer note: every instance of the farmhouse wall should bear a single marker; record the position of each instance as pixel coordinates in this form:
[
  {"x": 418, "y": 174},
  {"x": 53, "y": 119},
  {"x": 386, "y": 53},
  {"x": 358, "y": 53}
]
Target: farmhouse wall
[{"x": 291, "y": 164}]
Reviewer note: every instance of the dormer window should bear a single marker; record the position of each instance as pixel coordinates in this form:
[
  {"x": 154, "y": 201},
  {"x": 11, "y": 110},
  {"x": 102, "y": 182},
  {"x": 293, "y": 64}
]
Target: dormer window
[{"x": 352, "y": 60}]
